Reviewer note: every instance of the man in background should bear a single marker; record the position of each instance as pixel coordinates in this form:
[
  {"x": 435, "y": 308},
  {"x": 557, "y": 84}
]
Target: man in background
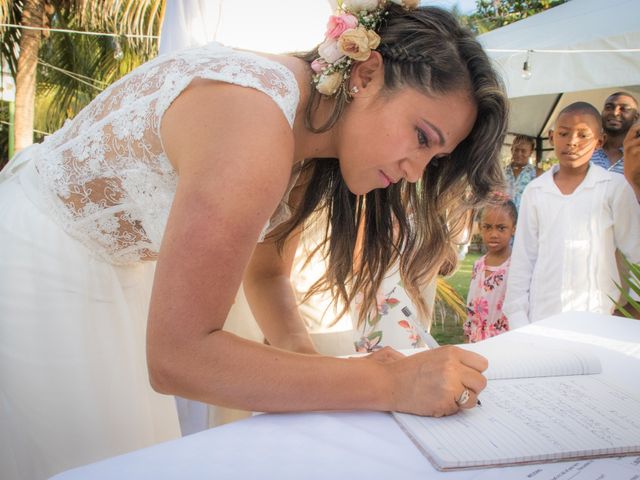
[{"x": 620, "y": 111}]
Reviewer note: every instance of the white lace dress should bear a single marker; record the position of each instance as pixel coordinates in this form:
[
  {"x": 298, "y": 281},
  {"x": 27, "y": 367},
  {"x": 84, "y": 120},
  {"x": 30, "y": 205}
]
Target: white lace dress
[{"x": 82, "y": 217}]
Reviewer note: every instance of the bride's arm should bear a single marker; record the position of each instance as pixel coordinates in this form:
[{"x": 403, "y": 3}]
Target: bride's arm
[
  {"x": 233, "y": 168},
  {"x": 268, "y": 289}
]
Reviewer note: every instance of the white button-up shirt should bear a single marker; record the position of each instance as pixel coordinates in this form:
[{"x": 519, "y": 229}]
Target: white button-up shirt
[{"x": 564, "y": 250}]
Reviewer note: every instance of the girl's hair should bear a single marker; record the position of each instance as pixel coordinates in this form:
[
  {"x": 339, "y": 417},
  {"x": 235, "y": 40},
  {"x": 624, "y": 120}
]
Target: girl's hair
[
  {"x": 412, "y": 224},
  {"x": 506, "y": 204}
]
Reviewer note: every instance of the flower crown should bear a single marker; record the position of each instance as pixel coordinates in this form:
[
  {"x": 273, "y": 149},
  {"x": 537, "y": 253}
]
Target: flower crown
[{"x": 350, "y": 37}]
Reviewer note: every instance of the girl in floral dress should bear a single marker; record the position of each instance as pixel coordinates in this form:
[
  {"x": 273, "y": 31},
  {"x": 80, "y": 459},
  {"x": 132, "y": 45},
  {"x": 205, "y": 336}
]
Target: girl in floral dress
[{"x": 489, "y": 277}]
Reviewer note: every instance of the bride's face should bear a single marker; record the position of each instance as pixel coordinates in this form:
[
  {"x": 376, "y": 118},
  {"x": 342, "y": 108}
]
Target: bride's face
[{"x": 387, "y": 138}]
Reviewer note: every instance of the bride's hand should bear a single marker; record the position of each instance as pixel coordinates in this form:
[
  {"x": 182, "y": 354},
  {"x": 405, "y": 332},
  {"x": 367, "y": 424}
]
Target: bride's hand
[
  {"x": 429, "y": 383},
  {"x": 385, "y": 355}
]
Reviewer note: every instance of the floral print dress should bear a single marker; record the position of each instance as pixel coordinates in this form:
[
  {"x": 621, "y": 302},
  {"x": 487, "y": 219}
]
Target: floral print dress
[
  {"x": 485, "y": 299},
  {"x": 516, "y": 185},
  {"x": 387, "y": 325}
]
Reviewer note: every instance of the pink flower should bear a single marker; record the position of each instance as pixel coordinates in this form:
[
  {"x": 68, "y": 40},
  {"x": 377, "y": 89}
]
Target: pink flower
[
  {"x": 368, "y": 345},
  {"x": 381, "y": 304},
  {"x": 318, "y": 65},
  {"x": 404, "y": 324},
  {"x": 480, "y": 308},
  {"x": 339, "y": 23}
]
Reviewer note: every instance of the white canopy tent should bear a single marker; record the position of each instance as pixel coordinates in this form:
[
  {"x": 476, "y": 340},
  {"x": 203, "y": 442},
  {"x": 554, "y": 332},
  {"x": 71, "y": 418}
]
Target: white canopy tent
[
  {"x": 580, "y": 50},
  {"x": 289, "y": 25}
]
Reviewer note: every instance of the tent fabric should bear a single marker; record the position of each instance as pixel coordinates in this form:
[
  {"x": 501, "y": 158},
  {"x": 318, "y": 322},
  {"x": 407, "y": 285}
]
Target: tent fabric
[
  {"x": 580, "y": 50},
  {"x": 188, "y": 23}
]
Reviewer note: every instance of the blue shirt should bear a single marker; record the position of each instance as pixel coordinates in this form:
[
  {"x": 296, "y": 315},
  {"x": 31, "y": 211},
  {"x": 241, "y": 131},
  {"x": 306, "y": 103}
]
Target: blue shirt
[
  {"x": 600, "y": 158},
  {"x": 516, "y": 185}
]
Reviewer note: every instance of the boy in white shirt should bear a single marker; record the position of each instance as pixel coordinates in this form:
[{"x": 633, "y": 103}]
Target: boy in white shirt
[{"x": 572, "y": 218}]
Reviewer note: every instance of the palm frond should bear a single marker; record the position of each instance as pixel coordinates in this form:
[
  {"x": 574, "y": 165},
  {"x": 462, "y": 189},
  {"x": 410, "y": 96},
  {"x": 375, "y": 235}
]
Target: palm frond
[
  {"x": 74, "y": 69},
  {"x": 450, "y": 297},
  {"x": 10, "y": 13},
  {"x": 123, "y": 17},
  {"x": 633, "y": 281}
]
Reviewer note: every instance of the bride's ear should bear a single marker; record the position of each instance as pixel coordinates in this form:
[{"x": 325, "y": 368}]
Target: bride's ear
[{"x": 368, "y": 75}]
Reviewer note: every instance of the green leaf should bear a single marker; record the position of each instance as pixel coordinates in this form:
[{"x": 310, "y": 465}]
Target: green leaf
[
  {"x": 633, "y": 280},
  {"x": 375, "y": 335}
]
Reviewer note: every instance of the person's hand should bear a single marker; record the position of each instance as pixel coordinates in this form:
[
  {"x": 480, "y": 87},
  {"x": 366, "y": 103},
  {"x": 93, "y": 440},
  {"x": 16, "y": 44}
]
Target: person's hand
[
  {"x": 429, "y": 383},
  {"x": 631, "y": 147},
  {"x": 385, "y": 355}
]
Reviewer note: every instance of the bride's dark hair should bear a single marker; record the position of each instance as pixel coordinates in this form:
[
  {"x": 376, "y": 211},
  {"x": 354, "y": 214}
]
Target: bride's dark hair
[{"x": 413, "y": 224}]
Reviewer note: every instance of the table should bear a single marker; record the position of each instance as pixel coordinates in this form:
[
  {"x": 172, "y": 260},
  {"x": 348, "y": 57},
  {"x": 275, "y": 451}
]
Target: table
[{"x": 369, "y": 445}]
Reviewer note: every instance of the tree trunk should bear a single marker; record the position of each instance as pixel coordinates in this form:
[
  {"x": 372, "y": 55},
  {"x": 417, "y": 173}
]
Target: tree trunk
[{"x": 32, "y": 16}]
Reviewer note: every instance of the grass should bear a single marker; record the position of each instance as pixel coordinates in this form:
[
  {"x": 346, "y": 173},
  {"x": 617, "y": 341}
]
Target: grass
[{"x": 447, "y": 327}]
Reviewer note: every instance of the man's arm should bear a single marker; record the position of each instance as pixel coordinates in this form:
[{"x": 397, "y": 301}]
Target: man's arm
[{"x": 631, "y": 147}]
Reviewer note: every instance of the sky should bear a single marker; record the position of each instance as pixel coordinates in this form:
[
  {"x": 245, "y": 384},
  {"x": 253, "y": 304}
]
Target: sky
[{"x": 295, "y": 25}]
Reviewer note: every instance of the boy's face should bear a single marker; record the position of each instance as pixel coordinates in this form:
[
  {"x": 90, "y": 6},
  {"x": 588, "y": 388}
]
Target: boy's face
[{"x": 575, "y": 137}]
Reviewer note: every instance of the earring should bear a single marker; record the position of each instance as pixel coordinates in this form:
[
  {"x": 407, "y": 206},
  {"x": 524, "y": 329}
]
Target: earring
[{"x": 354, "y": 90}]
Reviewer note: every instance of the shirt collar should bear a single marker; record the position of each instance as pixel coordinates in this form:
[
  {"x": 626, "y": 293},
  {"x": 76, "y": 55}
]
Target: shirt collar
[{"x": 595, "y": 175}]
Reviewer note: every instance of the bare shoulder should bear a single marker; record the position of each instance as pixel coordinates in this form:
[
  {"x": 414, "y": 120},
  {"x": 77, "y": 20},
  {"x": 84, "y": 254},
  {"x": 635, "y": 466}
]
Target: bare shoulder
[
  {"x": 210, "y": 114},
  {"x": 233, "y": 150}
]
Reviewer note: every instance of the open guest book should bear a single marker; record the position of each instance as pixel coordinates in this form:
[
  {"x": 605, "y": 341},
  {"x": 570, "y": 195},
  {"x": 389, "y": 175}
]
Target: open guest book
[{"x": 546, "y": 400}]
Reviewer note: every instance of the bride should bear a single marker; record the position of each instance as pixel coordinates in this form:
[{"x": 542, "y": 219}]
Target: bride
[{"x": 138, "y": 220}]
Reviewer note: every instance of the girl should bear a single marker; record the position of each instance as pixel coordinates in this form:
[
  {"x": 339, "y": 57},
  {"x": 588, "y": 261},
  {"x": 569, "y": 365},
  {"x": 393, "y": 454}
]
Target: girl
[
  {"x": 198, "y": 170},
  {"x": 489, "y": 277}
]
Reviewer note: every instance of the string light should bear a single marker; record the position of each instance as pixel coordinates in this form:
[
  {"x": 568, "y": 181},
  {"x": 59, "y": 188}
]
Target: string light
[
  {"x": 77, "y": 77},
  {"x": 81, "y": 32},
  {"x": 542, "y": 50},
  {"x": 118, "y": 54}
]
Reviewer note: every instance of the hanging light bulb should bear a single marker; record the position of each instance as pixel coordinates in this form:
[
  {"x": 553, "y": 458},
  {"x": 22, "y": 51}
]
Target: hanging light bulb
[
  {"x": 118, "y": 54},
  {"x": 526, "y": 68}
]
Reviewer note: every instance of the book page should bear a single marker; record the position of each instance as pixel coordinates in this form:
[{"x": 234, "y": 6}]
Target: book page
[
  {"x": 532, "y": 420},
  {"x": 526, "y": 355},
  {"x": 619, "y": 468}
]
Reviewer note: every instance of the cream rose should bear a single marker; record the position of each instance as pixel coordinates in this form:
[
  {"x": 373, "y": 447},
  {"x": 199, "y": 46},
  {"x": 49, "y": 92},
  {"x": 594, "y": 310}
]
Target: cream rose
[
  {"x": 410, "y": 4},
  {"x": 329, "y": 84},
  {"x": 359, "y": 5},
  {"x": 357, "y": 43},
  {"x": 329, "y": 51}
]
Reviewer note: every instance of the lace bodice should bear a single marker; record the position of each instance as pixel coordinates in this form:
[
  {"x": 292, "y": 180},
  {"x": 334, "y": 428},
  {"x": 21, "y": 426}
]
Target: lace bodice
[{"x": 105, "y": 175}]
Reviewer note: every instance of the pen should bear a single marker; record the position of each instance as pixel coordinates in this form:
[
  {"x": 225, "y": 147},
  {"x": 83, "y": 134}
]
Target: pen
[{"x": 426, "y": 337}]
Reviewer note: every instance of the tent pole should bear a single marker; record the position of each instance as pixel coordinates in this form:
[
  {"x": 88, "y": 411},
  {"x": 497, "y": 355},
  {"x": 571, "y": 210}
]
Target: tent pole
[
  {"x": 540, "y": 137},
  {"x": 538, "y": 150},
  {"x": 550, "y": 114}
]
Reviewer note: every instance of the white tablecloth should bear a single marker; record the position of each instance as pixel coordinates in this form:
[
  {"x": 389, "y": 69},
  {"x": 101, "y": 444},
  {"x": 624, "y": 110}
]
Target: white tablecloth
[{"x": 351, "y": 445}]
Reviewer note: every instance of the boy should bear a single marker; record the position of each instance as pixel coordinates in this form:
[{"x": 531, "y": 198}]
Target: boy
[{"x": 572, "y": 218}]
